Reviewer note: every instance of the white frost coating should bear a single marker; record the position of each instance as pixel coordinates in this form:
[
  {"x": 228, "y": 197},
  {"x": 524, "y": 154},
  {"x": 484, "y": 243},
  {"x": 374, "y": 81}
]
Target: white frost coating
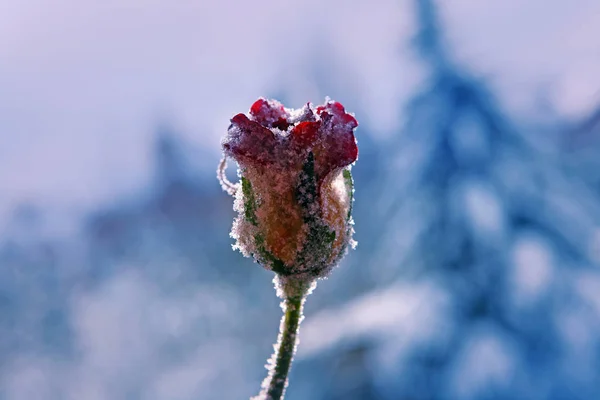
[
  {"x": 300, "y": 114},
  {"x": 227, "y": 186},
  {"x": 272, "y": 362},
  {"x": 287, "y": 288},
  {"x": 290, "y": 287}
]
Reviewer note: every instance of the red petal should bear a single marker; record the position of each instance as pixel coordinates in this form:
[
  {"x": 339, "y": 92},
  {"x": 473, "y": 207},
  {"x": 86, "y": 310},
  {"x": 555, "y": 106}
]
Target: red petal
[
  {"x": 269, "y": 113},
  {"x": 255, "y": 109},
  {"x": 331, "y": 137},
  {"x": 250, "y": 128},
  {"x": 246, "y": 138},
  {"x": 305, "y": 134},
  {"x": 337, "y": 148},
  {"x": 339, "y": 112},
  {"x": 337, "y": 107},
  {"x": 340, "y": 151}
]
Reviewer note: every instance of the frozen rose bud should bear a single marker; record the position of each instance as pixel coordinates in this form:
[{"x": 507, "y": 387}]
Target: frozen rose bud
[{"x": 295, "y": 196}]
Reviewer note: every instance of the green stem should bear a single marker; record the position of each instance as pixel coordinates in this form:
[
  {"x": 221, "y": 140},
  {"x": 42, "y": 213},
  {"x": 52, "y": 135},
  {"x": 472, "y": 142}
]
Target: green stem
[
  {"x": 276, "y": 382},
  {"x": 287, "y": 348}
]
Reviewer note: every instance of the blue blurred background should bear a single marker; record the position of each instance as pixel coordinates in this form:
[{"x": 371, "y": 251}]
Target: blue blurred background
[{"x": 477, "y": 210}]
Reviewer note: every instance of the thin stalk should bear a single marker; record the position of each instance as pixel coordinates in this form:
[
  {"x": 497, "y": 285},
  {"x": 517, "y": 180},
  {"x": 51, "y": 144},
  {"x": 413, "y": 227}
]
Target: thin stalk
[{"x": 274, "y": 385}]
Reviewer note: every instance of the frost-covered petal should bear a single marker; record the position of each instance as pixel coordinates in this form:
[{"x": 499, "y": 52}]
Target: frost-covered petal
[
  {"x": 337, "y": 146},
  {"x": 305, "y": 134},
  {"x": 248, "y": 140},
  {"x": 270, "y": 113},
  {"x": 339, "y": 112}
]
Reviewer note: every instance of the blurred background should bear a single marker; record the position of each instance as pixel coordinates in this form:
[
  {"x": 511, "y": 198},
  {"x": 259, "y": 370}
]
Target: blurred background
[{"x": 477, "y": 274}]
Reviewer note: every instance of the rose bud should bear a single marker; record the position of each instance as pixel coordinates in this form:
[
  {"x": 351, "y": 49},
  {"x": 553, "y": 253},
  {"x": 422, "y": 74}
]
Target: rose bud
[{"x": 296, "y": 191}]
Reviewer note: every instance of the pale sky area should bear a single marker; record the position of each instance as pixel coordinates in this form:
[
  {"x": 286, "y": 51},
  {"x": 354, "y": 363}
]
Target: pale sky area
[{"x": 83, "y": 83}]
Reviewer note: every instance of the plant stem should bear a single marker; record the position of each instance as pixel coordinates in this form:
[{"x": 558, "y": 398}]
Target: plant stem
[
  {"x": 287, "y": 347},
  {"x": 276, "y": 382}
]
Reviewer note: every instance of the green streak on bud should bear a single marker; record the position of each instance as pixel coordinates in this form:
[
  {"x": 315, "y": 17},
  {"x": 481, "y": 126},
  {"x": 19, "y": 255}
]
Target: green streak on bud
[
  {"x": 317, "y": 248},
  {"x": 249, "y": 202},
  {"x": 276, "y": 264},
  {"x": 315, "y": 254},
  {"x": 320, "y": 237},
  {"x": 250, "y": 208},
  {"x": 306, "y": 192}
]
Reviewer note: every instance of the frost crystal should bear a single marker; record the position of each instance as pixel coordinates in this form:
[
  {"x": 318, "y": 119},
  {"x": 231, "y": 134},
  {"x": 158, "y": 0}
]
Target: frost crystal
[{"x": 295, "y": 194}]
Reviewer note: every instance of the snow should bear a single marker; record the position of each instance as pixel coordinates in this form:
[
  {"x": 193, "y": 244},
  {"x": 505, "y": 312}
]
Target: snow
[
  {"x": 404, "y": 313},
  {"x": 487, "y": 364},
  {"x": 124, "y": 335}
]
